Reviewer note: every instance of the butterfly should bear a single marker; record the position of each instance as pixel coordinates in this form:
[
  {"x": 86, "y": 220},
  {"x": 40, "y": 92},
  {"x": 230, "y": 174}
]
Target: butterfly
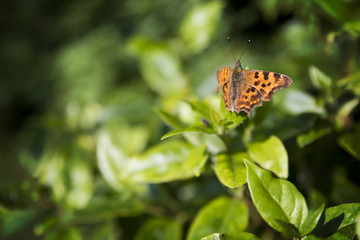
[{"x": 243, "y": 90}]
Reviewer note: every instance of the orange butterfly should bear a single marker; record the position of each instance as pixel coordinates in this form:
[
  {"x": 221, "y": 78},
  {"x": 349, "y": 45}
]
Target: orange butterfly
[{"x": 244, "y": 89}]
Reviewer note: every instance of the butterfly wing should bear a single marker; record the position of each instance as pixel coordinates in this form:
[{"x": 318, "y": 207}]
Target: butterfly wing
[
  {"x": 249, "y": 98},
  {"x": 267, "y": 82},
  {"x": 223, "y": 76}
]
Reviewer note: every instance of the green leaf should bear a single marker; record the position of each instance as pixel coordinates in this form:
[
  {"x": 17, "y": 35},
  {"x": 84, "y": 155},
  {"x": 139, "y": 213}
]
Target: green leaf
[
  {"x": 235, "y": 118},
  {"x": 102, "y": 208},
  {"x": 160, "y": 67},
  {"x": 215, "y": 117},
  {"x": 339, "y": 221},
  {"x": 270, "y": 154},
  {"x": 358, "y": 227},
  {"x": 346, "y": 233},
  {"x": 350, "y": 142},
  {"x": 311, "y": 237},
  {"x": 196, "y": 160},
  {"x": 350, "y": 210},
  {"x": 351, "y": 82},
  {"x": 70, "y": 233},
  {"x": 63, "y": 177},
  {"x": 311, "y": 136},
  {"x": 16, "y": 220},
  {"x": 221, "y": 215},
  {"x": 276, "y": 199},
  {"x": 105, "y": 230},
  {"x": 353, "y": 26},
  {"x": 201, "y": 108},
  {"x": 231, "y": 170},
  {"x": 297, "y": 102},
  {"x": 81, "y": 188},
  {"x": 200, "y": 25},
  {"x": 231, "y": 236},
  {"x": 342, "y": 116},
  {"x": 334, "y": 8},
  {"x": 311, "y": 220},
  {"x": 161, "y": 163},
  {"x": 196, "y": 128},
  {"x": 159, "y": 229},
  {"x": 320, "y": 80},
  {"x": 170, "y": 119}
]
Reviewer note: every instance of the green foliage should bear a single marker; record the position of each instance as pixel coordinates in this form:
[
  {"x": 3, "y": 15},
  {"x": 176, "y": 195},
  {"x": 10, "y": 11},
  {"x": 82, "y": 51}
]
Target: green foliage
[
  {"x": 159, "y": 229},
  {"x": 112, "y": 128},
  {"x": 221, "y": 215}
]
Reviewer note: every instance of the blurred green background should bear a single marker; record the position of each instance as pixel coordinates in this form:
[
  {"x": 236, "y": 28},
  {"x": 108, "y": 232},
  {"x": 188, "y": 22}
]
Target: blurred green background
[{"x": 82, "y": 82}]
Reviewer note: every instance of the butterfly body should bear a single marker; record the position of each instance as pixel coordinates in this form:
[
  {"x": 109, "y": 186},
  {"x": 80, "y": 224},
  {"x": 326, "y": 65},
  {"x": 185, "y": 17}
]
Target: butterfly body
[{"x": 243, "y": 90}]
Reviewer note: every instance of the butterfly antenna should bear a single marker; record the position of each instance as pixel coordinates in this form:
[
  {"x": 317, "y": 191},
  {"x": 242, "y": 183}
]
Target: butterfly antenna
[
  {"x": 232, "y": 50},
  {"x": 244, "y": 49}
]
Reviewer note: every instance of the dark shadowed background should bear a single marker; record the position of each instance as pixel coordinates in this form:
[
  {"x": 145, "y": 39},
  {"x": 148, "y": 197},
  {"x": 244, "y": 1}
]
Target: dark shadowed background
[{"x": 81, "y": 83}]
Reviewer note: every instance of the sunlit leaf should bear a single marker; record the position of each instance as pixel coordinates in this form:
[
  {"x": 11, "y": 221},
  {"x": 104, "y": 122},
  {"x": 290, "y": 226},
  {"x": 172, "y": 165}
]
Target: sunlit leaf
[
  {"x": 199, "y": 25},
  {"x": 170, "y": 119},
  {"x": 276, "y": 200},
  {"x": 196, "y": 160},
  {"x": 270, "y": 154},
  {"x": 159, "y": 67},
  {"x": 215, "y": 117},
  {"x": 234, "y": 117},
  {"x": 311, "y": 220},
  {"x": 201, "y": 108},
  {"x": 71, "y": 181},
  {"x": 159, "y": 229},
  {"x": 51, "y": 172},
  {"x": 81, "y": 183},
  {"x": 221, "y": 215},
  {"x": 353, "y": 26},
  {"x": 358, "y": 226},
  {"x": 231, "y": 170},
  {"x": 231, "y": 236},
  {"x": 161, "y": 163},
  {"x": 194, "y": 129},
  {"x": 297, "y": 102},
  {"x": 214, "y": 143},
  {"x": 111, "y": 161}
]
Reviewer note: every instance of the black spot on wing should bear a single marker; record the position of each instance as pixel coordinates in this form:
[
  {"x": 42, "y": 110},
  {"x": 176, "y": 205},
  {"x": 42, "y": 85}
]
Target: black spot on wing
[{"x": 266, "y": 75}]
